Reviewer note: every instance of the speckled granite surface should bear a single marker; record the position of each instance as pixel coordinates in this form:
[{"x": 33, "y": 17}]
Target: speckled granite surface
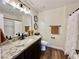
[{"x": 12, "y": 49}]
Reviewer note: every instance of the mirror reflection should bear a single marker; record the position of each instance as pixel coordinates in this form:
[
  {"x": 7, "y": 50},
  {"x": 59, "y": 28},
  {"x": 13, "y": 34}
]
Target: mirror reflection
[
  {"x": 14, "y": 27},
  {"x": 27, "y": 23},
  {"x": 11, "y": 27},
  {"x": 14, "y": 22}
]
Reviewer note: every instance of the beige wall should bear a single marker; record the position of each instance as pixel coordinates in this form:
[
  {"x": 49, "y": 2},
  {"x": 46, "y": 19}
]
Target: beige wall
[
  {"x": 52, "y": 17},
  {"x": 56, "y": 16}
]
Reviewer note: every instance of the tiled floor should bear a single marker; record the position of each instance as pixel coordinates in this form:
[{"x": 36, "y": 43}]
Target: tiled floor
[{"x": 53, "y": 54}]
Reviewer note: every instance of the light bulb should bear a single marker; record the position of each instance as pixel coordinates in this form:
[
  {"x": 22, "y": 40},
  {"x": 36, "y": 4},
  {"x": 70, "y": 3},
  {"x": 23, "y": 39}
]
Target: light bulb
[
  {"x": 21, "y": 9},
  {"x": 24, "y": 9},
  {"x": 13, "y": 4},
  {"x": 17, "y": 6},
  {"x": 29, "y": 11},
  {"x": 26, "y": 12}
]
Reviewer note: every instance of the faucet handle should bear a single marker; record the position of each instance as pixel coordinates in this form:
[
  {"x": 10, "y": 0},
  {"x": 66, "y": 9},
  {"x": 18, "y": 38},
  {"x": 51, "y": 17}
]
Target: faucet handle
[
  {"x": 6, "y": 37},
  {"x": 10, "y": 38},
  {"x": 18, "y": 34}
]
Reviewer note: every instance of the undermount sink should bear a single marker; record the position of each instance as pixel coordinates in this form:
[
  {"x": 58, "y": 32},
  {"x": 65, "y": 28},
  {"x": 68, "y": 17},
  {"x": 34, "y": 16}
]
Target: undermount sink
[
  {"x": 21, "y": 43},
  {"x": 18, "y": 44}
]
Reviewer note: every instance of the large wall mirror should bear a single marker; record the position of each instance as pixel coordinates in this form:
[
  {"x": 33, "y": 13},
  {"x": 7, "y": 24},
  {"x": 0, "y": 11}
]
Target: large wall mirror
[
  {"x": 27, "y": 23},
  {"x": 15, "y": 21},
  {"x": 11, "y": 27}
]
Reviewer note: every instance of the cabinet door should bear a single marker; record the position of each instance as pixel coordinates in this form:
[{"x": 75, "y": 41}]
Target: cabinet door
[
  {"x": 21, "y": 56},
  {"x": 28, "y": 54},
  {"x": 33, "y": 52},
  {"x": 37, "y": 50}
]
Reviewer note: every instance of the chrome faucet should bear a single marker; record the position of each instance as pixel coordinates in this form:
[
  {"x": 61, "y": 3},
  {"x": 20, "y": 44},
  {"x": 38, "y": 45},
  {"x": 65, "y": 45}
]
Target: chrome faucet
[{"x": 21, "y": 37}]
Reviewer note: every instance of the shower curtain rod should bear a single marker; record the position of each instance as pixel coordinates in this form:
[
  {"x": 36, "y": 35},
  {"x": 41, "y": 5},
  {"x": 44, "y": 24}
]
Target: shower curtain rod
[
  {"x": 74, "y": 11},
  {"x": 11, "y": 19}
]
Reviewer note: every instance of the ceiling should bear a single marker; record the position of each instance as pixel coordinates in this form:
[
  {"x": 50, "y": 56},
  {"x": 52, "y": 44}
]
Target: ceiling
[
  {"x": 42, "y": 5},
  {"x": 37, "y": 5},
  {"x": 9, "y": 9}
]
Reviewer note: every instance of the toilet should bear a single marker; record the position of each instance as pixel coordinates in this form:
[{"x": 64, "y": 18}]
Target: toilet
[{"x": 43, "y": 45}]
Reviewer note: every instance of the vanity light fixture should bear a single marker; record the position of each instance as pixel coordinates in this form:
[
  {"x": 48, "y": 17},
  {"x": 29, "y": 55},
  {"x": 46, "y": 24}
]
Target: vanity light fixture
[{"x": 18, "y": 5}]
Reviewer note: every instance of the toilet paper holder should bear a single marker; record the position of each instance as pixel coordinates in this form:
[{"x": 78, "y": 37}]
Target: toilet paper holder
[{"x": 52, "y": 37}]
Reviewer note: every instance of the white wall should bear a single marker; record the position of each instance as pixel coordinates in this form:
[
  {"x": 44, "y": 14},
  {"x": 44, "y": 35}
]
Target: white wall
[
  {"x": 52, "y": 17},
  {"x": 56, "y": 16}
]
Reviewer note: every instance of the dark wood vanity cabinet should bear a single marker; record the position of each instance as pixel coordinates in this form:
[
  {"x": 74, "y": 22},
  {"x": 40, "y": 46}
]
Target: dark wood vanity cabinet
[{"x": 32, "y": 52}]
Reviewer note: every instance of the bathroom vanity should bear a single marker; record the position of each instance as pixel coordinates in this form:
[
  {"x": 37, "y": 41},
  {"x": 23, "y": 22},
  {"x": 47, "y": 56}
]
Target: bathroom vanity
[{"x": 29, "y": 48}]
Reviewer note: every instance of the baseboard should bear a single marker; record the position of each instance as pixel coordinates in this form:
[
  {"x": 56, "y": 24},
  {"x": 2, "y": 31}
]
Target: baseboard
[{"x": 56, "y": 47}]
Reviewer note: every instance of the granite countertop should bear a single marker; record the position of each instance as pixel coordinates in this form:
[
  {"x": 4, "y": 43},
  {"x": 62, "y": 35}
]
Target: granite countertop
[{"x": 12, "y": 49}]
